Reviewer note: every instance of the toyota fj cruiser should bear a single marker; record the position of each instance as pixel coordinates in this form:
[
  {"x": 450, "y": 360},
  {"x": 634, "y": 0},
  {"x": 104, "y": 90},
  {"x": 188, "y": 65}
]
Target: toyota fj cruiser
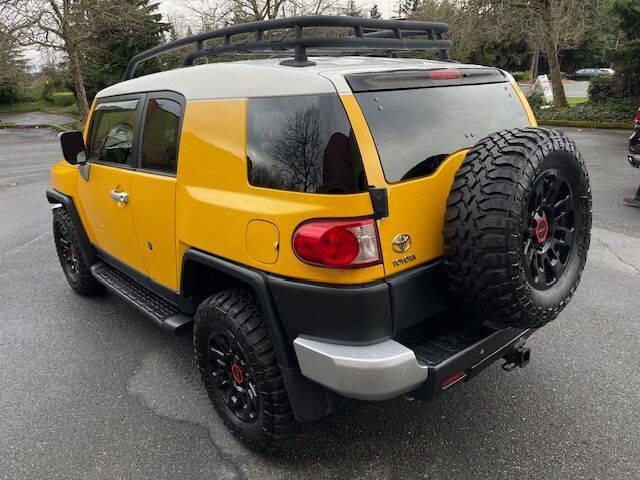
[{"x": 334, "y": 226}]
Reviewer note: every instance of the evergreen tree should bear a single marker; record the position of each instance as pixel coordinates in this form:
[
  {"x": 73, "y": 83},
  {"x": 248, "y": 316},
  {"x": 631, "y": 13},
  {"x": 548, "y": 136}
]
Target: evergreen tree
[
  {"x": 374, "y": 12},
  {"x": 12, "y": 70},
  {"x": 627, "y": 57},
  {"x": 352, "y": 9},
  {"x": 106, "y": 59}
]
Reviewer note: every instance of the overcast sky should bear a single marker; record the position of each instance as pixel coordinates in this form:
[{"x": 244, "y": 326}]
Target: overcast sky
[
  {"x": 175, "y": 10},
  {"x": 175, "y": 7}
]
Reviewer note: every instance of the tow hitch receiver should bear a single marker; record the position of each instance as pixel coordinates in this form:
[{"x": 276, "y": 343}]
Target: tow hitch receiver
[{"x": 518, "y": 357}]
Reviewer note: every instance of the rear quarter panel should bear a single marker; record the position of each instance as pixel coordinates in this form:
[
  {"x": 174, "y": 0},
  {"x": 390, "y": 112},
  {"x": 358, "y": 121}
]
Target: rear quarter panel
[{"x": 215, "y": 203}]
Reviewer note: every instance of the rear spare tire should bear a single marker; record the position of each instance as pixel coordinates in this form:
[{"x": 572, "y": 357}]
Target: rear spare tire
[{"x": 517, "y": 227}]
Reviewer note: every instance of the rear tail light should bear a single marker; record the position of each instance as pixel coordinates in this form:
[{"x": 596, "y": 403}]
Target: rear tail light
[
  {"x": 338, "y": 243},
  {"x": 637, "y": 117},
  {"x": 444, "y": 74}
]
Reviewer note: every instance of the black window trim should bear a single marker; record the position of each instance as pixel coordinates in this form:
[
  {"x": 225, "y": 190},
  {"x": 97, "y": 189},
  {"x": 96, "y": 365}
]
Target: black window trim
[
  {"x": 133, "y": 160},
  {"x": 163, "y": 95}
]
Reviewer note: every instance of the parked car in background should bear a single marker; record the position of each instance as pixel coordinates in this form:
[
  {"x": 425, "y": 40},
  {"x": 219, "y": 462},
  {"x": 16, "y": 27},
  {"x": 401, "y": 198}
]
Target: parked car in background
[
  {"x": 634, "y": 143},
  {"x": 634, "y": 157},
  {"x": 587, "y": 73}
]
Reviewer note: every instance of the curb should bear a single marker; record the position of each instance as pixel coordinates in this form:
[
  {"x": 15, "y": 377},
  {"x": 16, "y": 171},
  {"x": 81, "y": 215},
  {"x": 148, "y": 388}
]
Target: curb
[{"x": 586, "y": 124}]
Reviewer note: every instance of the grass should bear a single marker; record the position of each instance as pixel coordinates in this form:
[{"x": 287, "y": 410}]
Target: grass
[
  {"x": 585, "y": 124},
  {"x": 577, "y": 100},
  {"x": 39, "y": 106}
]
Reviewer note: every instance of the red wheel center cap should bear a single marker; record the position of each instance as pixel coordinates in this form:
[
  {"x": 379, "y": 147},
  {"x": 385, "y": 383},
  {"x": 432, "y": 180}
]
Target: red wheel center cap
[
  {"x": 542, "y": 229},
  {"x": 237, "y": 373}
]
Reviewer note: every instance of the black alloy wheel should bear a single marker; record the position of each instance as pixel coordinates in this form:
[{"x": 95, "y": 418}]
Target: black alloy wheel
[
  {"x": 70, "y": 257},
  {"x": 549, "y": 233},
  {"x": 232, "y": 376}
]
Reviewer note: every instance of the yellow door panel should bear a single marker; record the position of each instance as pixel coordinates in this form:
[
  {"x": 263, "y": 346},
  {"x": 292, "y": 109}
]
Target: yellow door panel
[
  {"x": 263, "y": 241},
  {"x": 154, "y": 220},
  {"x": 109, "y": 220}
]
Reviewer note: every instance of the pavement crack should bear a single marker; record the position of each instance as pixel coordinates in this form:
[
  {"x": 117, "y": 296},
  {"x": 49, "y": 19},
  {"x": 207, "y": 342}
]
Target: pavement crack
[
  {"x": 24, "y": 246},
  {"x": 146, "y": 400},
  {"x": 608, "y": 247}
]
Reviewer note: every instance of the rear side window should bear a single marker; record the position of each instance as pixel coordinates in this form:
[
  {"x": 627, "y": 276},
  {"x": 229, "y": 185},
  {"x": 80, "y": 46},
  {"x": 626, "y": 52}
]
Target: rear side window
[
  {"x": 112, "y": 131},
  {"x": 160, "y": 135},
  {"x": 414, "y": 130},
  {"x": 302, "y": 144}
]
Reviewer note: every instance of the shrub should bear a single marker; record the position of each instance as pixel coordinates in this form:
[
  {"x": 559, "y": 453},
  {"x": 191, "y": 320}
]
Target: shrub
[
  {"x": 616, "y": 110},
  {"x": 536, "y": 99},
  {"x": 63, "y": 99},
  {"x": 521, "y": 76},
  {"x": 10, "y": 94},
  {"x": 627, "y": 83},
  {"x": 601, "y": 88}
]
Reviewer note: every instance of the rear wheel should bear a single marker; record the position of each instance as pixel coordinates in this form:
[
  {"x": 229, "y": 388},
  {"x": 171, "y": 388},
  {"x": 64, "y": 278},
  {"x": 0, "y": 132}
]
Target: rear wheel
[
  {"x": 75, "y": 269},
  {"x": 517, "y": 227},
  {"x": 240, "y": 371}
]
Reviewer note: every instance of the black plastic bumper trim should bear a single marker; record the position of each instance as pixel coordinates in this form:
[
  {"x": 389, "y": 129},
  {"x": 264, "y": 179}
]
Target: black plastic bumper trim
[
  {"x": 342, "y": 314},
  {"x": 472, "y": 360}
]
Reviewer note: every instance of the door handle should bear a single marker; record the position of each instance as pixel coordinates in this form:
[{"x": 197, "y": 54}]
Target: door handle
[{"x": 120, "y": 197}]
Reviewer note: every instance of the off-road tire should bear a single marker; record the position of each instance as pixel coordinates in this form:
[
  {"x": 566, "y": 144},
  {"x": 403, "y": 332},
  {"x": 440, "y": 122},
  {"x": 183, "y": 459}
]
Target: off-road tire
[
  {"x": 237, "y": 314},
  {"x": 488, "y": 224},
  {"x": 66, "y": 239}
]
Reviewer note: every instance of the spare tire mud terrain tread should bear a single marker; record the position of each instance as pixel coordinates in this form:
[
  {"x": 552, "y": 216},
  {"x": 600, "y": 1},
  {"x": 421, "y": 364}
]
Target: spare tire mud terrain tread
[{"x": 486, "y": 224}]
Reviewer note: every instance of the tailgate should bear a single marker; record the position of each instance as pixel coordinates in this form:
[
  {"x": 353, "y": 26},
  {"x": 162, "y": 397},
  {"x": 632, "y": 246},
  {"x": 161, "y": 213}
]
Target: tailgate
[{"x": 414, "y": 139}]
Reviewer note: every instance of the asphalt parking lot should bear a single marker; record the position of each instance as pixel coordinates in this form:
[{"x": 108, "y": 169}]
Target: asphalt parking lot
[{"x": 90, "y": 389}]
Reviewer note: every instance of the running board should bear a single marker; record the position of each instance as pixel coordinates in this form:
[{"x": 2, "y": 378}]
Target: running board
[{"x": 160, "y": 310}]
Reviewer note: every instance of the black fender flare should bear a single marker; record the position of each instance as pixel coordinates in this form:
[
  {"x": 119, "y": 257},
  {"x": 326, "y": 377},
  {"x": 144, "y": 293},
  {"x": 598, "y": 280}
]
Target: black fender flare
[
  {"x": 88, "y": 251},
  {"x": 309, "y": 401}
]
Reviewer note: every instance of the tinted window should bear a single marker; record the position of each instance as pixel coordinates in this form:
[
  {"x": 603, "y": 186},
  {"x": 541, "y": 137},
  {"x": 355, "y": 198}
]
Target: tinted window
[
  {"x": 160, "y": 135},
  {"x": 112, "y": 131},
  {"x": 302, "y": 144},
  {"x": 414, "y": 130}
]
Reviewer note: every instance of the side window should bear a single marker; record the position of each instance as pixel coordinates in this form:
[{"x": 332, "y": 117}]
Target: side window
[
  {"x": 111, "y": 136},
  {"x": 302, "y": 144},
  {"x": 160, "y": 135}
]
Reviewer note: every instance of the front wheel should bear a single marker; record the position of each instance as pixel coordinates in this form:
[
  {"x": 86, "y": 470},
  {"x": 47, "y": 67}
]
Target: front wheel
[
  {"x": 69, "y": 251},
  {"x": 239, "y": 369}
]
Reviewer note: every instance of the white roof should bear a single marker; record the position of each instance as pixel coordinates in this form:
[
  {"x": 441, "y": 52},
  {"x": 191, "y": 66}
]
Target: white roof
[{"x": 264, "y": 78}]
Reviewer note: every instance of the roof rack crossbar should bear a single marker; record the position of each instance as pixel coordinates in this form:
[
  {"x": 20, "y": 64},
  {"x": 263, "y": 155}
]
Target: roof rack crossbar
[{"x": 368, "y": 34}]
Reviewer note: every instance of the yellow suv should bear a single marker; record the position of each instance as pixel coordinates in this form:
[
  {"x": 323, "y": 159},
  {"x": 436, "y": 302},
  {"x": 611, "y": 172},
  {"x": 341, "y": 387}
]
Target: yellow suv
[{"x": 334, "y": 227}]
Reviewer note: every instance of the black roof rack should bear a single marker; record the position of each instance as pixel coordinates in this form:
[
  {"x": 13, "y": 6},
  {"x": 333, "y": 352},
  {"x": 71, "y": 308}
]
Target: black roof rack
[{"x": 369, "y": 34}]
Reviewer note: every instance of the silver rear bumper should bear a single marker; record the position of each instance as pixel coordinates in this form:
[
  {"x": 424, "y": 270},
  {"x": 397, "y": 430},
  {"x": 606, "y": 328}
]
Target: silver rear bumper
[{"x": 370, "y": 372}]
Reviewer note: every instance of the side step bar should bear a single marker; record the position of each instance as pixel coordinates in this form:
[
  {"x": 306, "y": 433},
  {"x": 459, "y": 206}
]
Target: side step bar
[{"x": 160, "y": 310}]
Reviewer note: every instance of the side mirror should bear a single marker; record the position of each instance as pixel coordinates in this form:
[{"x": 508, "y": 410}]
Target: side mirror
[{"x": 73, "y": 147}]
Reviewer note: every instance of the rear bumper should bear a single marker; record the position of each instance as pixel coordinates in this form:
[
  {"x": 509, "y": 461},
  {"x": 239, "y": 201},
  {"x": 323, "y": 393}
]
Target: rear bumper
[
  {"x": 388, "y": 369},
  {"x": 370, "y": 372},
  {"x": 361, "y": 314}
]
